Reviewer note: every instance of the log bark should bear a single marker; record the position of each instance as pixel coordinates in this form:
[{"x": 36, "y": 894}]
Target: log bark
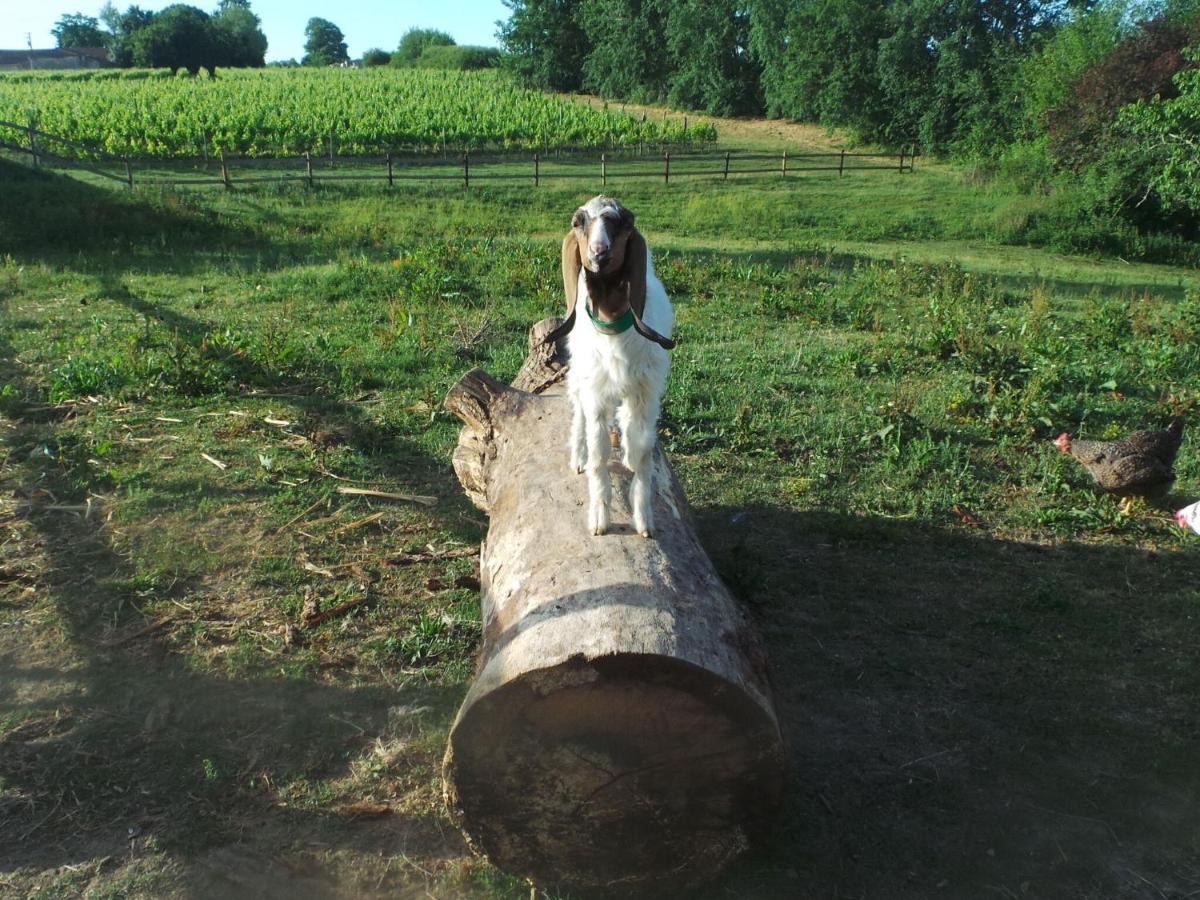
[{"x": 620, "y": 733}]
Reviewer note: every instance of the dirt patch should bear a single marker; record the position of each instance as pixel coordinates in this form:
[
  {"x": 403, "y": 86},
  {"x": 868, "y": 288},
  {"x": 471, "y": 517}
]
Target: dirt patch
[{"x": 742, "y": 133}]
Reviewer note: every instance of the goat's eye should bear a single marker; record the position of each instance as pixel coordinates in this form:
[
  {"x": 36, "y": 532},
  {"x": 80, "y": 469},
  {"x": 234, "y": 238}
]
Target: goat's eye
[{"x": 577, "y": 220}]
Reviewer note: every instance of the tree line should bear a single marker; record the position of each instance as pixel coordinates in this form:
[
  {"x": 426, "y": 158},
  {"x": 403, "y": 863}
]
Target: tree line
[
  {"x": 1101, "y": 93},
  {"x": 178, "y": 37},
  {"x": 429, "y": 48},
  {"x": 186, "y": 37}
]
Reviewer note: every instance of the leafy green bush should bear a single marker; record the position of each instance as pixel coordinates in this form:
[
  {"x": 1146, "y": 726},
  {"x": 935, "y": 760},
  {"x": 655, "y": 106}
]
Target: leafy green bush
[{"x": 465, "y": 59}]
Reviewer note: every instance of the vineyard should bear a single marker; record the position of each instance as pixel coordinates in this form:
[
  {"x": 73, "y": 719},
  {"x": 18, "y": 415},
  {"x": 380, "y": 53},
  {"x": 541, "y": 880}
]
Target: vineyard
[{"x": 280, "y": 112}]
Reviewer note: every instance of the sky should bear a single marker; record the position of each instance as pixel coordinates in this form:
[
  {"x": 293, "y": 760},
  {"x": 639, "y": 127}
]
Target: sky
[{"x": 365, "y": 23}]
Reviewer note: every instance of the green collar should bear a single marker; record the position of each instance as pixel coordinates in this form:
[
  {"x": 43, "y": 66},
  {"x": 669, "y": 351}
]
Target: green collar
[{"x": 617, "y": 326}]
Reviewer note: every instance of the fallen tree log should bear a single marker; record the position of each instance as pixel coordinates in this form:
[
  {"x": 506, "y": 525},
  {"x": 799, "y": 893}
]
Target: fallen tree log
[{"x": 620, "y": 733}]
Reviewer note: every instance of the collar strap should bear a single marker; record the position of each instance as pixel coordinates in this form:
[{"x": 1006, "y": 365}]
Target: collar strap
[{"x": 617, "y": 326}]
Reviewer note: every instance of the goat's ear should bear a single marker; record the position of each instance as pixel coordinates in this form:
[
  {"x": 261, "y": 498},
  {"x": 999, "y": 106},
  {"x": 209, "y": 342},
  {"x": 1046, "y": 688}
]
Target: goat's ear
[
  {"x": 571, "y": 264},
  {"x": 634, "y": 270},
  {"x": 624, "y": 218}
]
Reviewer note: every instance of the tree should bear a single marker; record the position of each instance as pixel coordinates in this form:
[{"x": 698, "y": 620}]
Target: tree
[
  {"x": 179, "y": 37},
  {"x": 78, "y": 30},
  {"x": 628, "y": 56},
  {"x": 818, "y": 59},
  {"x": 122, "y": 26},
  {"x": 376, "y": 57},
  {"x": 415, "y": 41},
  {"x": 464, "y": 59},
  {"x": 1168, "y": 131},
  {"x": 325, "y": 44},
  {"x": 545, "y": 45},
  {"x": 1049, "y": 73},
  {"x": 1141, "y": 67},
  {"x": 711, "y": 66},
  {"x": 238, "y": 36}
]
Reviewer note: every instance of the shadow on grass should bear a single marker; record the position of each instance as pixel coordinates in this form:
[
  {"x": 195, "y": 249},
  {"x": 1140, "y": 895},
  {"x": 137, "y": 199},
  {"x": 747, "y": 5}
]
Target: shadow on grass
[
  {"x": 114, "y": 745},
  {"x": 969, "y": 715},
  {"x": 845, "y": 261},
  {"x": 306, "y": 382},
  {"x": 123, "y": 747},
  {"x": 56, "y": 218}
]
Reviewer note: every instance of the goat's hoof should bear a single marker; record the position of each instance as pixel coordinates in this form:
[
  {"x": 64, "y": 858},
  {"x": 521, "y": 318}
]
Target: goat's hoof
[
  {"x": 579, "y": 470},
  {"x": 645, "y": 532},
  {"x": 599, "y": 530}
]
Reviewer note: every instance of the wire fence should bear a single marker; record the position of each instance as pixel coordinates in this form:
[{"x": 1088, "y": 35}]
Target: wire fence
[{"x": 52, "y": 151}]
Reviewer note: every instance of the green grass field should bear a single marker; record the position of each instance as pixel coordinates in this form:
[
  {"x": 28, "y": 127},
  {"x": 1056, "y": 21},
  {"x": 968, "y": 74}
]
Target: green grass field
[{"x": 186, "y": 380}]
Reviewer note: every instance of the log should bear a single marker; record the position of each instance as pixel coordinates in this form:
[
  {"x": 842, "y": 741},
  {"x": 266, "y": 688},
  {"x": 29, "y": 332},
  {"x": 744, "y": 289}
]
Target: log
[{"x": 619, "y": 735}]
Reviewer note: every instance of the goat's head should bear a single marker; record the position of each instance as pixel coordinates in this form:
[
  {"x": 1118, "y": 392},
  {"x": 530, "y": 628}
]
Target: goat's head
[
  {"x": 603, "y": 240},
  {"x": 601, "y": 230}
]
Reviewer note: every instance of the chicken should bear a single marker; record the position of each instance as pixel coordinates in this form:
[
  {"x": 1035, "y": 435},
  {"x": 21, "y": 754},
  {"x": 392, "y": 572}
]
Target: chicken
[{"x": 1139, "y": 465}]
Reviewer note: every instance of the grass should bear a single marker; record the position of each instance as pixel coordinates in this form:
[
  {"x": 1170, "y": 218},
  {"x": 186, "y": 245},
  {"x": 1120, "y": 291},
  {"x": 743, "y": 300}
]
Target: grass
[{"x": 1003, "y": 708}]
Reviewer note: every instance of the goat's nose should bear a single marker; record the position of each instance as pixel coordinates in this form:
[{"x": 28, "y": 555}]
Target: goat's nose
[{"x": 599, "y": 251}]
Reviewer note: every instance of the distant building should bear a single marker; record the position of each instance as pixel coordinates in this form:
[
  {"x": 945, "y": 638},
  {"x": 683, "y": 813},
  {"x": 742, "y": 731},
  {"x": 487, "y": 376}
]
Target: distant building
[{"x": 56, "y": 58}]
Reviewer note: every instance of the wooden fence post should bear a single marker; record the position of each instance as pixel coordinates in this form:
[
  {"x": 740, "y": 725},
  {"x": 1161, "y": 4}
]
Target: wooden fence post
[
  {"x": 204, "y": 146},
  {"x": 33, "y": 145},
  {"x": 331, "y": 146},
  {"x": 537, "y": 175},
  {"x": 785, "y": 164},
  {"x": 603, "y": 168},
  {"x": 912, "y": 158},
  {"x": 466, "y": 170},
  {"x": 666, "y": 165},
  {"x": 389, "y": 165},
  {"x": 225, "y": 172},
  {"x": 726, "y": 175},
  {"x": 129, "y": 173},
  {"x": 308, "y": 168},
  {"x": 901, "y": 160},
  {"x": 842, "y": 164}
]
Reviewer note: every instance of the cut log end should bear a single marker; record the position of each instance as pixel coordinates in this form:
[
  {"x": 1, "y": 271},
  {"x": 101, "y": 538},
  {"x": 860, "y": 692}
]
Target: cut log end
[{"x": 628, "y": 770}]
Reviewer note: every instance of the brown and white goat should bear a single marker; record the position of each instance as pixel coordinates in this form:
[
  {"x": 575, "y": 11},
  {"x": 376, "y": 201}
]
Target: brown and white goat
[{"x": 619, "y": 364}]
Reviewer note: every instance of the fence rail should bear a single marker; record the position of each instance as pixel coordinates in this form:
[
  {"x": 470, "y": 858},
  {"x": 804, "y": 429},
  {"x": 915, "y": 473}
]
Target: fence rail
[{"x": 465, "y": 168}]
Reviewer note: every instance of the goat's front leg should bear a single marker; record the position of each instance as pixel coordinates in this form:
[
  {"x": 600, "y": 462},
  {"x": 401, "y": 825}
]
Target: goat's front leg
[
  {"x": 638, "y": 429},
  {"x": 599, "y": 480},
  {"x": 577, "y": 443}
]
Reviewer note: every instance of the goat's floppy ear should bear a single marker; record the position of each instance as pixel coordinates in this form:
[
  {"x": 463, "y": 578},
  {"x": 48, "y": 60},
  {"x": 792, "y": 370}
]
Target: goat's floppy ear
[
  {"x": 634, "y": 274},
  {"x": 571, "y": 264},
  {"x": 634, "y": 269}
]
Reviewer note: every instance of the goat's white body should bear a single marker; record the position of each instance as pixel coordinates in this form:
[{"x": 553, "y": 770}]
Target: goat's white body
[{"x": 619, "y": 377}]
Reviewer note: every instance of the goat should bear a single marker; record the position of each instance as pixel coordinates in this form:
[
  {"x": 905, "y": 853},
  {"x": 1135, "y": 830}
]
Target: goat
[{"x": 618, "y": 354}]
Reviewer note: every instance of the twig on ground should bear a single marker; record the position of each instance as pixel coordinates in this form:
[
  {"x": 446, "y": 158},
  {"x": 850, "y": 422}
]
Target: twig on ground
[
  {"x": 216, "y": 462},
  {"x": 404, "y": 558},
  {"x": 388, "y": 495},
  {"x": 161, "y": 622},
  {"x": 350, "y": 526},
  {"x": 314, "y": 620},
  {"x": 309, "y": 567},
  {"x": 297, "y": 518}
]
